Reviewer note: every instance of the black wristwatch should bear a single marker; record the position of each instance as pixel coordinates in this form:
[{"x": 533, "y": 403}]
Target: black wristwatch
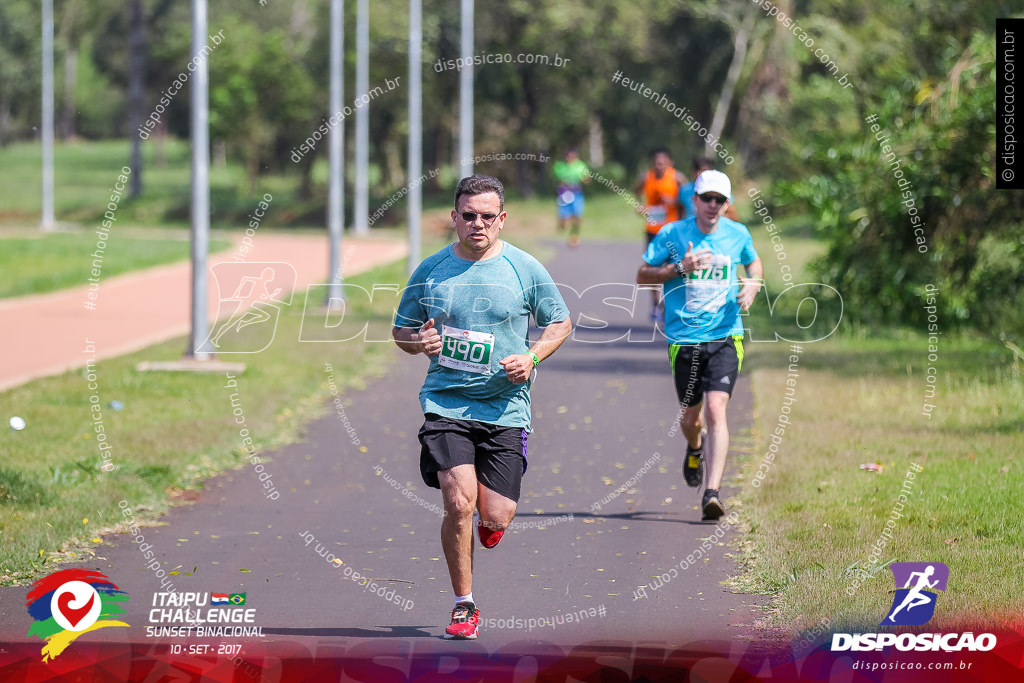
[{"x": 679, "y": 269}]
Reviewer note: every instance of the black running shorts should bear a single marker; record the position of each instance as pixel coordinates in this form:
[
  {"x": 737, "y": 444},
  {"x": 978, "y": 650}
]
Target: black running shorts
[
  {"x": 498, "y": 453},
  {"x": 708, "y": 366}
]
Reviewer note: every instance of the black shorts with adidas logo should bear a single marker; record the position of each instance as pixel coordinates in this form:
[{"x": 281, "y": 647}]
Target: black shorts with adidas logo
[{"x": 707, "y": 366}]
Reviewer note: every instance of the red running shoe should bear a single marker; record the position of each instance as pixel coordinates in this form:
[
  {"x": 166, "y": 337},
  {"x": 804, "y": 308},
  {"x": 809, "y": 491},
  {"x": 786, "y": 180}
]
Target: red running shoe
[
  {"x": 488, "y": 537},
  {"x": 465, "y": 618}
]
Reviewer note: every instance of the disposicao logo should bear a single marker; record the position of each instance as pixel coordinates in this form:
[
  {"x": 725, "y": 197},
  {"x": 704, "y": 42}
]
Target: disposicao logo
[
  {"x": 69, "y": 603},
  {"x": 914, "y": 605}
]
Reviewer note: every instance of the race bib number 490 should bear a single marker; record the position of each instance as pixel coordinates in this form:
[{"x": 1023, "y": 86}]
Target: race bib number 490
[{"x": 466, "y": 350}]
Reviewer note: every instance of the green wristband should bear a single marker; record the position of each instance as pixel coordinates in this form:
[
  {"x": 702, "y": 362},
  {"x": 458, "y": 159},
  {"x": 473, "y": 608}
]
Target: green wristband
[{"x": 536, "y": 358}]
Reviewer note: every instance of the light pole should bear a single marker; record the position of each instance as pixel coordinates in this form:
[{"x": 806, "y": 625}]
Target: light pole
[
  {"x": 415, "y": 161},
  {"x": 199, "y": 347},
  {"x": 362, "y": 202},
  {"x": 47, "y": 220},
  {"x": 336, "y": 152},
  {"x": 466, "y": 93}
]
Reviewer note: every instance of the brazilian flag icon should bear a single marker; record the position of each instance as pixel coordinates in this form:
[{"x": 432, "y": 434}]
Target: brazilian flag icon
[{"x": 237, "y": 598}]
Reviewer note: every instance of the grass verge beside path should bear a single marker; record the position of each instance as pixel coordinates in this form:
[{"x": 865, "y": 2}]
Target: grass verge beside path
[
  {"x": 174, "y": 431},
  {"x": 817, "y": 515},
  {"x": 52, "y": 261},
  {"x": 859, "y": 397}
]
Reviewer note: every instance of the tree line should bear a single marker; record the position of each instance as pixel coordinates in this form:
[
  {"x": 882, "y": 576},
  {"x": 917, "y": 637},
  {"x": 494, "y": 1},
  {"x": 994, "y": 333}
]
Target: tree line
[{"x": 788, "y": 88}]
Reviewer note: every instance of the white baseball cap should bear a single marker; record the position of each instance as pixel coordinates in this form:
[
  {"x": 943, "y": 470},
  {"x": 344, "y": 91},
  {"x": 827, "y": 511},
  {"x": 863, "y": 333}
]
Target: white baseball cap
[{"x": 713, "y": 181}]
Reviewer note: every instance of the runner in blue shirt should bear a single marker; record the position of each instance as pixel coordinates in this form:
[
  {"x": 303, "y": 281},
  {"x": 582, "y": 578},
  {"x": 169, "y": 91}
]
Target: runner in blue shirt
[
  {"x": 699, "y": 165},
  {"x": 697, "y": 259},
  {"x": 468, "y": 308}
]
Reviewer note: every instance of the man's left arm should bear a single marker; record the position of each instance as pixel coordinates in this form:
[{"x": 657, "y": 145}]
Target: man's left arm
[
  {"x": 751, "y": 284},
  {"x": 519, "y": 366}
]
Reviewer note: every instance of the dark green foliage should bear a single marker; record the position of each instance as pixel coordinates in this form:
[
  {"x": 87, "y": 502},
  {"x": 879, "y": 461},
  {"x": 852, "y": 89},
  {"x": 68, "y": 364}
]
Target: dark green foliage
[{"x": 942, "y": 134}]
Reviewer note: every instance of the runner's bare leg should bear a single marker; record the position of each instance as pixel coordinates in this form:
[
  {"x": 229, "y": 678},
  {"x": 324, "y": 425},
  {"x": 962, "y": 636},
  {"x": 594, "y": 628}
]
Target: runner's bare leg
[
  {"x": 692, "y": 422},
  {"x": 496, "y": 511},
  {"x": 717, "y": 444},
  {"x": 459, "y": 488}
]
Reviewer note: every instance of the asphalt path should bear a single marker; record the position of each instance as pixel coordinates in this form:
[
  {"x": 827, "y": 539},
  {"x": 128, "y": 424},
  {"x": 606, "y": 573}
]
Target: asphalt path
[{"x": 603, "y": 417}]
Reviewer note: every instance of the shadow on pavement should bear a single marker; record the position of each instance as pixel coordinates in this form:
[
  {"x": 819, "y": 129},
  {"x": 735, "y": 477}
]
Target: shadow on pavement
[{"x": 636, "y": 516}]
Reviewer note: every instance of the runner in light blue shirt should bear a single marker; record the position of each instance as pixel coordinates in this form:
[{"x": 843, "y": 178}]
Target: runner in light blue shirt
[
  {"x": 697, "y": 260},
  {"x": 495, "y": 297},
  {"x": 468, "y": 308}
]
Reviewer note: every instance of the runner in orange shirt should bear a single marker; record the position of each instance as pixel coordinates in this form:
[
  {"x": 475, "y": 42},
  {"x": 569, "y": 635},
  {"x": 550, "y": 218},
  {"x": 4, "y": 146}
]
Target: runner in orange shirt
[{"x": 659, "y": 191}]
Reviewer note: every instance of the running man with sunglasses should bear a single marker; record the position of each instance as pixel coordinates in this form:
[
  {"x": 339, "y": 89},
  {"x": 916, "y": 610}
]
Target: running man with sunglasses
[
  {"x": 697, "y": 259},
  {"x": 467, "y": 308}
]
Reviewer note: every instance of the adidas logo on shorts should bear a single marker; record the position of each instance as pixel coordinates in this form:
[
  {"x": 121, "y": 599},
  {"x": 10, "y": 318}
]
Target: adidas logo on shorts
[{"x": 725, "y": 380}]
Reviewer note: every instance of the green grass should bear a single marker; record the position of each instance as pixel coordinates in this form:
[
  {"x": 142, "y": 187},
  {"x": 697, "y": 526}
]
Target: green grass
[
  {"x": 174, "y": 431},
  {"x": 86, "y": 172},
  {"x": 819, "y": 513},
  {"x": 34, "y": 264},
  {"x": 813, "y": 521}
]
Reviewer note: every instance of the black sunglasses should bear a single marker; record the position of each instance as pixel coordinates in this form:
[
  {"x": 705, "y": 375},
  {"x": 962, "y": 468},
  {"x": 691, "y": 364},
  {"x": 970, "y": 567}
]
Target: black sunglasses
[
  {"x": 709, "y": 198},
  {"x": 470, "y": 216}
]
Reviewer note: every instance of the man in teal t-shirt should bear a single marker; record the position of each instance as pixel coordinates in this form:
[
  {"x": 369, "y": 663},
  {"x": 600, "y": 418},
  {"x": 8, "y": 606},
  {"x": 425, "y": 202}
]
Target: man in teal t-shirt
[
  {"x": 697, "y": 260},
  {"x": 569, "y": 177},
  {"x": 468, "y": 309}
]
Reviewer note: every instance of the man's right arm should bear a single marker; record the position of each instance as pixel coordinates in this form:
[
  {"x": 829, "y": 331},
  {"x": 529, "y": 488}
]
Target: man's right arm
[
  {"x": 655, "y": 275},
  {"x": 692, "y": 261},
  {"x": 415, "y": 340}
]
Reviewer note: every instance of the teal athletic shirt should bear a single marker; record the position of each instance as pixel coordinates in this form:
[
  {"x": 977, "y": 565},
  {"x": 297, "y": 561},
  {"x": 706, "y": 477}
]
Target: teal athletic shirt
[
  {"x": 495, "y": 296},
  {"x": 703, "y": 306}
]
